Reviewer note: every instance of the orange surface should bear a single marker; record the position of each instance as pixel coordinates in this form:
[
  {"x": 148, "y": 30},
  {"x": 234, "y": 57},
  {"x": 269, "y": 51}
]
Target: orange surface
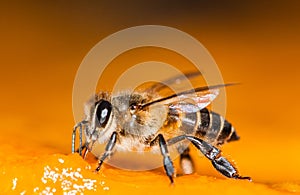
[
  {"x": 256, "y": 44},
  {"x": 32, "y": 171}
]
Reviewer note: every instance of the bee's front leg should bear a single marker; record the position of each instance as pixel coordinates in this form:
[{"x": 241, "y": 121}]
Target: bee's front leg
[
  {"x": 214, "y": 154},
  {"x": 84, "y": 149},
  {"x": 108, "y": 150},
  {"x": 168, "y": 165},
  {"x": 81, "y": 146}
]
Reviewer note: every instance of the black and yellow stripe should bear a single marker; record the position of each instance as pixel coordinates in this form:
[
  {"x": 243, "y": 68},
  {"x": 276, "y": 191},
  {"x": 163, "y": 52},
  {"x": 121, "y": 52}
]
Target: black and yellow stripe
[
  {"x": 206, "y": 125},
  {"x": 214, "y": 128}
]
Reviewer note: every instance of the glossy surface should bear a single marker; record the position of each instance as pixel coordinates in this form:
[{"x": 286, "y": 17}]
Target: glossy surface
[{"x": 39, "y": 169}]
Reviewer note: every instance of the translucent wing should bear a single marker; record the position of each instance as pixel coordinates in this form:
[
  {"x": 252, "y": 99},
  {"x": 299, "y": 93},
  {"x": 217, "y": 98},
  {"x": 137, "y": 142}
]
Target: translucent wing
[
  {"x": 176, "y": 80},
  {"x": 177, "y": 83},
  {"x": 194, "y": 102},
  {"x": 190, "y": 100}
]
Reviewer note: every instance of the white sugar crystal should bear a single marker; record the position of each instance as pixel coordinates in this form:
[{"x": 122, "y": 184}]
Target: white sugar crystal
[
  {"x": 14, "y": 183},
  {"x": 61, "y": 160}
]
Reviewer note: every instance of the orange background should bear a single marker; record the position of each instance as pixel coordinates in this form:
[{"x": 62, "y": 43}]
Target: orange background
[{"x": 255, "y": 43}]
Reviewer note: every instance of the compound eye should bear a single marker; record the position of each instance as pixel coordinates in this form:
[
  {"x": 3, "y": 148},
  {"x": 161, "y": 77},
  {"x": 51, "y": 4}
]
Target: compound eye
[{"x": 103, "y": 110}]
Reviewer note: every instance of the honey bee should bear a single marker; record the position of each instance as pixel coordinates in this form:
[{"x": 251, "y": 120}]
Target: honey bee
[{"x": 143, "y": 120}]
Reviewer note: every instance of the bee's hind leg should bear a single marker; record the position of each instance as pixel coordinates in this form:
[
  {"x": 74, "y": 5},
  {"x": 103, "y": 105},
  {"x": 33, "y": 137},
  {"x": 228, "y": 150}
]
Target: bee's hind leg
[
  {"x": 168, "y": 165},
  {"x": 186, "y": 162},
  {"x": 214, "y": 154}
]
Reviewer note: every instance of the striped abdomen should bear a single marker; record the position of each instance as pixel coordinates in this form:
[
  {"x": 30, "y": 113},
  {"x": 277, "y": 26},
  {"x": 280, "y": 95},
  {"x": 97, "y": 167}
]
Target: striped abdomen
[{"x": 208, "y": 125}]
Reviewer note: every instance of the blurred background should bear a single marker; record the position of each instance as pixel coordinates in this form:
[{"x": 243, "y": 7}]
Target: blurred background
[{"x": 255, "y": 43}]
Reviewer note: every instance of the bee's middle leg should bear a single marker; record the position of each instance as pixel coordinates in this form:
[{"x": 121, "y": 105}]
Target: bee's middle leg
[
  {"x": 108, "y": 150},
  {"x": 168, "y": 165}
]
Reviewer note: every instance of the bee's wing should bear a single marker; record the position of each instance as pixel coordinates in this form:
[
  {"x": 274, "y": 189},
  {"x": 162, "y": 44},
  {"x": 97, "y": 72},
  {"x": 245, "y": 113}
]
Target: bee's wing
[
  {"x": 173, "y": 81},
  {"x": 178, "y": 83},
  {"x": 193, "y": 102},
  {"x": 190, "y": 100}
]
